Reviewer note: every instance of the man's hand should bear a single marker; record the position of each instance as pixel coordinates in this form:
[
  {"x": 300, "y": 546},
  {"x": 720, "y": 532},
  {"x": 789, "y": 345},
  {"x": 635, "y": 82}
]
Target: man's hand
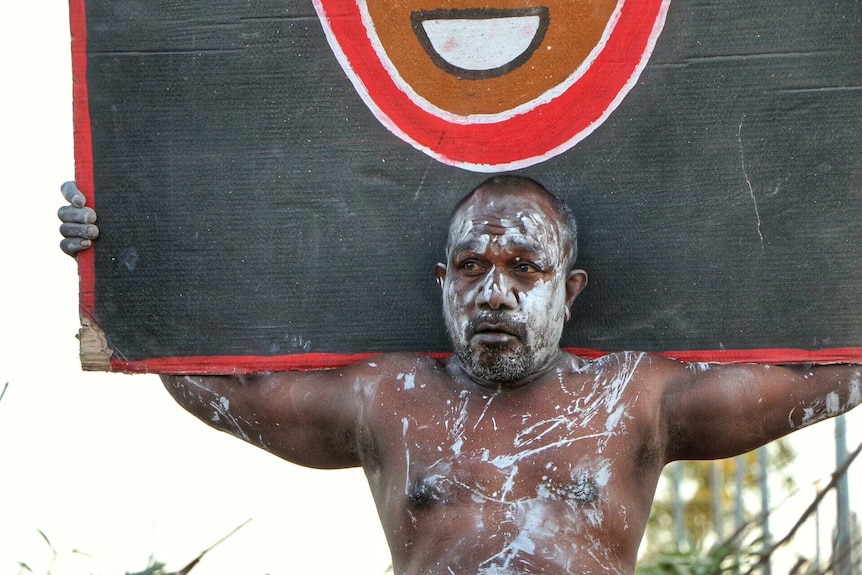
[{"x": 78, "y": 228}]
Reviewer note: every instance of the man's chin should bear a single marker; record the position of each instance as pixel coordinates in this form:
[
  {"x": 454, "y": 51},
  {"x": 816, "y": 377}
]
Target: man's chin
[{"x": 497, "y": 366}]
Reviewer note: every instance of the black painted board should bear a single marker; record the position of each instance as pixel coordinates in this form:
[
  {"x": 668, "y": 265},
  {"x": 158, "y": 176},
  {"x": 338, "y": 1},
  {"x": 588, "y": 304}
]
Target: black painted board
[{"x": 256, "y": 215}]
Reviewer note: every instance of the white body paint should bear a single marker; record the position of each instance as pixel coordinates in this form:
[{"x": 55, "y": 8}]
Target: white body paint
[
  {"x": 528, "y": 522},
  {"x": 831, "y": 405}
]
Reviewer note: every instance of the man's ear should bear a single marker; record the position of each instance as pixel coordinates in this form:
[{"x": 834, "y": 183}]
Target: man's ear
[
  {"x": 440, "y": 273},
  {"x": 576, "y": 281}
]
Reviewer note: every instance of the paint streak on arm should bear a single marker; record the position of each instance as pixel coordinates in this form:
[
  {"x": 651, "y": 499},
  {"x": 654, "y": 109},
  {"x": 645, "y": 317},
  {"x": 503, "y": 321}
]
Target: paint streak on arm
[
  {"x": 309, "y": 418},
  {"x": 724, "y": 410}
]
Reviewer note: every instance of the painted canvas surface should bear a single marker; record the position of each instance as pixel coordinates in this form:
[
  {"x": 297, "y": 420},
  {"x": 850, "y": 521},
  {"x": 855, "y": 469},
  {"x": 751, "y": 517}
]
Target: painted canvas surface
[{"x": 274, "y": 179}]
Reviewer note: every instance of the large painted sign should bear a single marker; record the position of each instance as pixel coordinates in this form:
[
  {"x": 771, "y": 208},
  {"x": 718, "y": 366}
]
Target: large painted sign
[
  {"x": 491, "y": 87},
  {"x": 274, "y": 178}
]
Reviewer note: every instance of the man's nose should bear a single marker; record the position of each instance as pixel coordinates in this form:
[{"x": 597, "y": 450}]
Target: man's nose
[{"x": 497, "y": 292}]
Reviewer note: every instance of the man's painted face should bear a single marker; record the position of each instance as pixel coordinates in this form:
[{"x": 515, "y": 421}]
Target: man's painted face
[{"x": 504, "y": 291}]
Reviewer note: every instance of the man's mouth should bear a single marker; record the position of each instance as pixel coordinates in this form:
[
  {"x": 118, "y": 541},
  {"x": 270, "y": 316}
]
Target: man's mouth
[
  {"x": 486, "y": 327},
  {"x": 496, "y": 332}
]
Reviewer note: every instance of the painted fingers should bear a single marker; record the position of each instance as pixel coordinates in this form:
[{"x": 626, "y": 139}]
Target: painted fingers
[
  {"x": 78, "y": 228},
  {"x": 72, "y": 194}
]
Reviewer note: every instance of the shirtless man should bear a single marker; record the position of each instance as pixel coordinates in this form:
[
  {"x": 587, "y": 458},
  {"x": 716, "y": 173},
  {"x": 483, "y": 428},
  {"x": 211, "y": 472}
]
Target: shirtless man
[{"x": 513, "y": 457}]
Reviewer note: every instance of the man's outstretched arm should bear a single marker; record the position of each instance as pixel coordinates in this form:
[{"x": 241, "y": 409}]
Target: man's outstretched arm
[
  {"x": 309, "y": 418},
  {"x": 716, "y": 411}
]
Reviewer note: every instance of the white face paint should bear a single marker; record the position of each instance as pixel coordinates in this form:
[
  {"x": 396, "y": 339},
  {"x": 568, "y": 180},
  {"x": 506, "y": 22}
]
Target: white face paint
[{"x": 505, "y": 266}]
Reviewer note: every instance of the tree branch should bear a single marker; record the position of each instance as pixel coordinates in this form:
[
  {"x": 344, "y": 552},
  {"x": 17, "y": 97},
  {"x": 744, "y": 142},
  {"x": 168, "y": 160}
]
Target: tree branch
[{"x": 836, "y": 477}]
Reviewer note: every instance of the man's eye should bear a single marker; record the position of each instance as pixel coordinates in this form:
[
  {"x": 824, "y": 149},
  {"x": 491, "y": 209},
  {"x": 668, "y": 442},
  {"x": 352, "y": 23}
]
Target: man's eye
[
  {"x": 471, "y": 266},
  {"x": 525, "y": 268}
]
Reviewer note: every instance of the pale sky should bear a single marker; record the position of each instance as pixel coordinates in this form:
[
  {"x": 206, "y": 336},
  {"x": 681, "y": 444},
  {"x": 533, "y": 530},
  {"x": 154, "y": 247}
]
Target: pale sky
[{"x": 108, "y": 463}]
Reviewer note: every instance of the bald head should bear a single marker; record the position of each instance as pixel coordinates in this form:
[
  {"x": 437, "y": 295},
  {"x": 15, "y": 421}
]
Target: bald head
[{"x": 528, "y": 188}]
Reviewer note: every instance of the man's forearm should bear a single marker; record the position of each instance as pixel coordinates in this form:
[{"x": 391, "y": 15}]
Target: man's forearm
[{"x": 839, "y": 389}]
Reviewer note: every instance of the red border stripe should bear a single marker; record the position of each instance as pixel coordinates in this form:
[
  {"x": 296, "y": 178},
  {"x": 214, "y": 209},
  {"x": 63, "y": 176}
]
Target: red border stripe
[
  {"x": 248, "y": 364},
  {"x": 83, "y": 145}
]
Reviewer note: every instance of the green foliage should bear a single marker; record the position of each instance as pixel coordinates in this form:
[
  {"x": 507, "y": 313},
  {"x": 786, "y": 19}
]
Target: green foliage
[
  {"x": 726, "y": 557},
  {"x": 748, "y": 549},
  {"x": 679, "y": 563},
  {"x": 154, "y": 567},
  {"x": 696, "y": 477}
]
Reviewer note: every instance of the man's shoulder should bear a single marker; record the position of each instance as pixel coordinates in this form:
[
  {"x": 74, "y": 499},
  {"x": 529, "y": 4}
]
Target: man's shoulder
[
  {"x": 403, "y": 362},
  {"x": 632, "y": 358},
  {"x": 647, "y": 365}
]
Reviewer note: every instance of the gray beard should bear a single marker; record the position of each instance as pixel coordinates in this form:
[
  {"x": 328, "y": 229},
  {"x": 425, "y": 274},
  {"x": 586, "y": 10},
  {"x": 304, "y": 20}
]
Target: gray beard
[{"x": 495, "y": 366}]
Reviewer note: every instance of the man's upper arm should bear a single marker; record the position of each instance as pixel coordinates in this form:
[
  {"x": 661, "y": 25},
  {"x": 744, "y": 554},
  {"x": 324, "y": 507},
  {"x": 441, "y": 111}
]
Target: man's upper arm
[
  {"x": 716, "y": 411},
  {"x": 309, "y": 418}
]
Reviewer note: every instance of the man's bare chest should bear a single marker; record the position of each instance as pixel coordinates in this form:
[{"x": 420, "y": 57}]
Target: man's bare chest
[
  {"x": 563, "y": 442},
  {"x": 503, "y": 457},
  {"x": 524, "y": 479}
]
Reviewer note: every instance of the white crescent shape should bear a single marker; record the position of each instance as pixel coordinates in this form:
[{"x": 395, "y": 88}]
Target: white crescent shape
[{"x": 483, "y": 43}]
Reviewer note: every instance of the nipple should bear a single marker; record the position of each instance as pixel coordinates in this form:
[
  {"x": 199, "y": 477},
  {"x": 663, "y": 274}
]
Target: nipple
[
  {"x": 423, "y": 493},
  {"x": 583, "y": 490}
]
